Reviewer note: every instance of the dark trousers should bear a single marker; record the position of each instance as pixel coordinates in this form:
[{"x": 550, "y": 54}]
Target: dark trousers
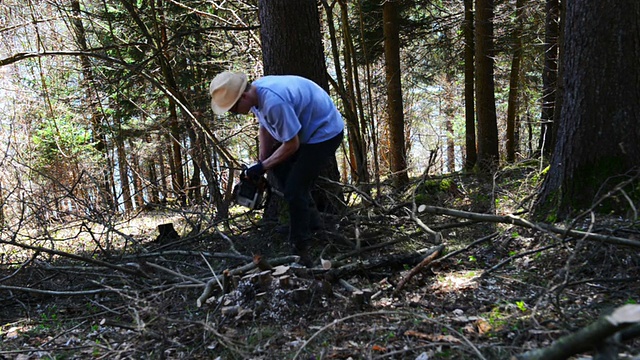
[{"x": 296, "y": 177}]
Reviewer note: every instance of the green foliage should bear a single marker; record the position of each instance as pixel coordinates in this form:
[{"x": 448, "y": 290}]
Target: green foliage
[{"x": 61, "y": 140}]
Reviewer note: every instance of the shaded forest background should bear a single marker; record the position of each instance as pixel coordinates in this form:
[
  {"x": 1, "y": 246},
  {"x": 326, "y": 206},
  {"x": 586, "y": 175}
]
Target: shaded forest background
[{"x": 481, "y": 111}]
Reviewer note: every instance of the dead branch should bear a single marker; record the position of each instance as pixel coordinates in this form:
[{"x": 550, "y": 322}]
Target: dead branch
[
  {"x": 216, "y": 255},
  {"x": 416, "y": 269},
  {"x": 54, "y": 292},
  {"x": 515, "y": 220},
  {"x": 360, "y": 266},
  {"x": 123, "y": 269},
  {"x": 174, "y": 273},
  {"x": 587, "y": 338}
]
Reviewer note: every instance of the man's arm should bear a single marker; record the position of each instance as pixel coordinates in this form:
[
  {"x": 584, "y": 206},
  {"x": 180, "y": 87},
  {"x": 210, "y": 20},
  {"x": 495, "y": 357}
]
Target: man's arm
[
  {"x": 282, "y": 153},
  {"x": 267, "y": 143}
]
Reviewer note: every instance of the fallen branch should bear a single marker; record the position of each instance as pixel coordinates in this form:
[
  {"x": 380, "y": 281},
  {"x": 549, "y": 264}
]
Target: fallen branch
[
  {"x": 515, "y": 220},
  {"x": 54, "y": 292},
  {"x": 123, "y": 269},
  {"x": 360, "y": 266},
  {"x": 416, "y": 269},
  {"x": 588, "y": 338}
]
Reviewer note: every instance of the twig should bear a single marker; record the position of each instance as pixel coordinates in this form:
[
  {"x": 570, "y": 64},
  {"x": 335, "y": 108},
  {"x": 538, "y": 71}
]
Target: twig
[
  {"x": 215, "y": 277},
  {"x": 54, "y": 292},
  {"x": 174, "y": 273},
  {"x": 231, "y": 245}
]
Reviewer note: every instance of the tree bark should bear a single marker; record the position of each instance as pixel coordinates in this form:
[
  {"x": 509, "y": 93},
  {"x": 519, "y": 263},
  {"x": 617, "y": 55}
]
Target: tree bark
[
  {"x": 398, "y": 156},
  {"x": 600, "y": 122},
  {"x": 469, "y": 84},
  {"x": 488, "y": 153},
  {"x": 549, "y": 77},
  {"x": 514, "y": 81}
]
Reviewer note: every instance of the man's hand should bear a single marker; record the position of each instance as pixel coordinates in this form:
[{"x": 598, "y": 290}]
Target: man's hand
[{"x": 255, "y": 171}]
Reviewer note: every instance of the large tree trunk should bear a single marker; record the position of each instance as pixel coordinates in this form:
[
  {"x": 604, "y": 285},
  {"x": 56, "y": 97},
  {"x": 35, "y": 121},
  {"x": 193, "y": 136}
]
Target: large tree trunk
[
  {"x": 488, "y": 154},
  {"x": 469, "y": 109},
  {"x": 549, "y": 78},
  {"x": 292, "y": 44},
  {"x": 398, "y": 156},
  {"x": 600, "y": 121}
]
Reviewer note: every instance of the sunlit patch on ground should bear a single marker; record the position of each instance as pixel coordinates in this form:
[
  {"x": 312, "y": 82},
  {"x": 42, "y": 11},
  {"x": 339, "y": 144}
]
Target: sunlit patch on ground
[{"x": 456, "y": 281}]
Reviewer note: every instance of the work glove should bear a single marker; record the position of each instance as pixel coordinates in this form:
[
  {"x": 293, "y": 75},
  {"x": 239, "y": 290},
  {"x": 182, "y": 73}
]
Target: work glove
[{"x": 255, "y": 171}]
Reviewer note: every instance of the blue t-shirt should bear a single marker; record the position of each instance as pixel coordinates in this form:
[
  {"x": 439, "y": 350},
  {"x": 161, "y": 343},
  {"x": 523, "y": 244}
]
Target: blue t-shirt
[{"x": 290, "y": 105}]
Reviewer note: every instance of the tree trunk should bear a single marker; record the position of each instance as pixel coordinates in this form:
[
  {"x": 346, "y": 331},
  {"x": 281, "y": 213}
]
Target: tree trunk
[
  {"x": 347, "y": 88},
  {"x": 449, "y": 113},
  {"x": 177, "y": 172},
  {"x": 549, "y": 77},
  {"x": 92, "y": 103},
  {"x": 559, "y": 92},
  {"x": 600, "y": 121},
  {"x": 488, "y": 154},
  {"x": 469, "y": 111},
  {"x": 398, "y": 156},
  {"x": 514, "y": 81},
  {"x": 123, "y": 170},
  {"x": 138, "y": 193},
  {"x": 292, "y": 44},
  {"x": 2, "y": 219}
]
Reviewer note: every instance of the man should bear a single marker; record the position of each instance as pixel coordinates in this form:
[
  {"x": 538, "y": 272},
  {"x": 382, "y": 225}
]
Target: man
[{"x": 300, "y": 130}]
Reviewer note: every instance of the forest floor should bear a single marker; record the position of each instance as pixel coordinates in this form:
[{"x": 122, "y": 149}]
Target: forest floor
[{"x": 484, "y": 289}]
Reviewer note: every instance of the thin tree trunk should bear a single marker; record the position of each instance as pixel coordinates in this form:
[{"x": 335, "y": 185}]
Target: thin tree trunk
[
  {"x": 469, "y": 109},
  {"x": 449, "y": 112},
  {"x": 549, "y": 77},
  {"x": 123, "y": 170},
  {"x": 514, "y": 84},
  {"x": 136, "y": 171}
]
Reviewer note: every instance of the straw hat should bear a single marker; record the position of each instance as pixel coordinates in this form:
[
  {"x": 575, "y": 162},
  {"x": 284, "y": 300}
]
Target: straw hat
[{"x": 225, "y": 90}]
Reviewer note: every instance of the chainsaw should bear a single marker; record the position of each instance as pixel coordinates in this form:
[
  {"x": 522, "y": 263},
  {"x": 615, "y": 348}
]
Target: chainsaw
[{"x": 252, "y": 192}]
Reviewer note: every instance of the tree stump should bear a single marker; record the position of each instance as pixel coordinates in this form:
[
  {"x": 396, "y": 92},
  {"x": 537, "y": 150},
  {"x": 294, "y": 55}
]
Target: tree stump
[{"x": 167, "y": 233}]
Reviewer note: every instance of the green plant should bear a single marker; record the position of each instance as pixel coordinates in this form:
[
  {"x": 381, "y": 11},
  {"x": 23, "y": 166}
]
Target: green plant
[{"x": 521, "y": 306}]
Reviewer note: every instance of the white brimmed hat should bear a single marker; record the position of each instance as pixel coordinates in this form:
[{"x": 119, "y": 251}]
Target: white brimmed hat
[{"x": 225, "y": 90}]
